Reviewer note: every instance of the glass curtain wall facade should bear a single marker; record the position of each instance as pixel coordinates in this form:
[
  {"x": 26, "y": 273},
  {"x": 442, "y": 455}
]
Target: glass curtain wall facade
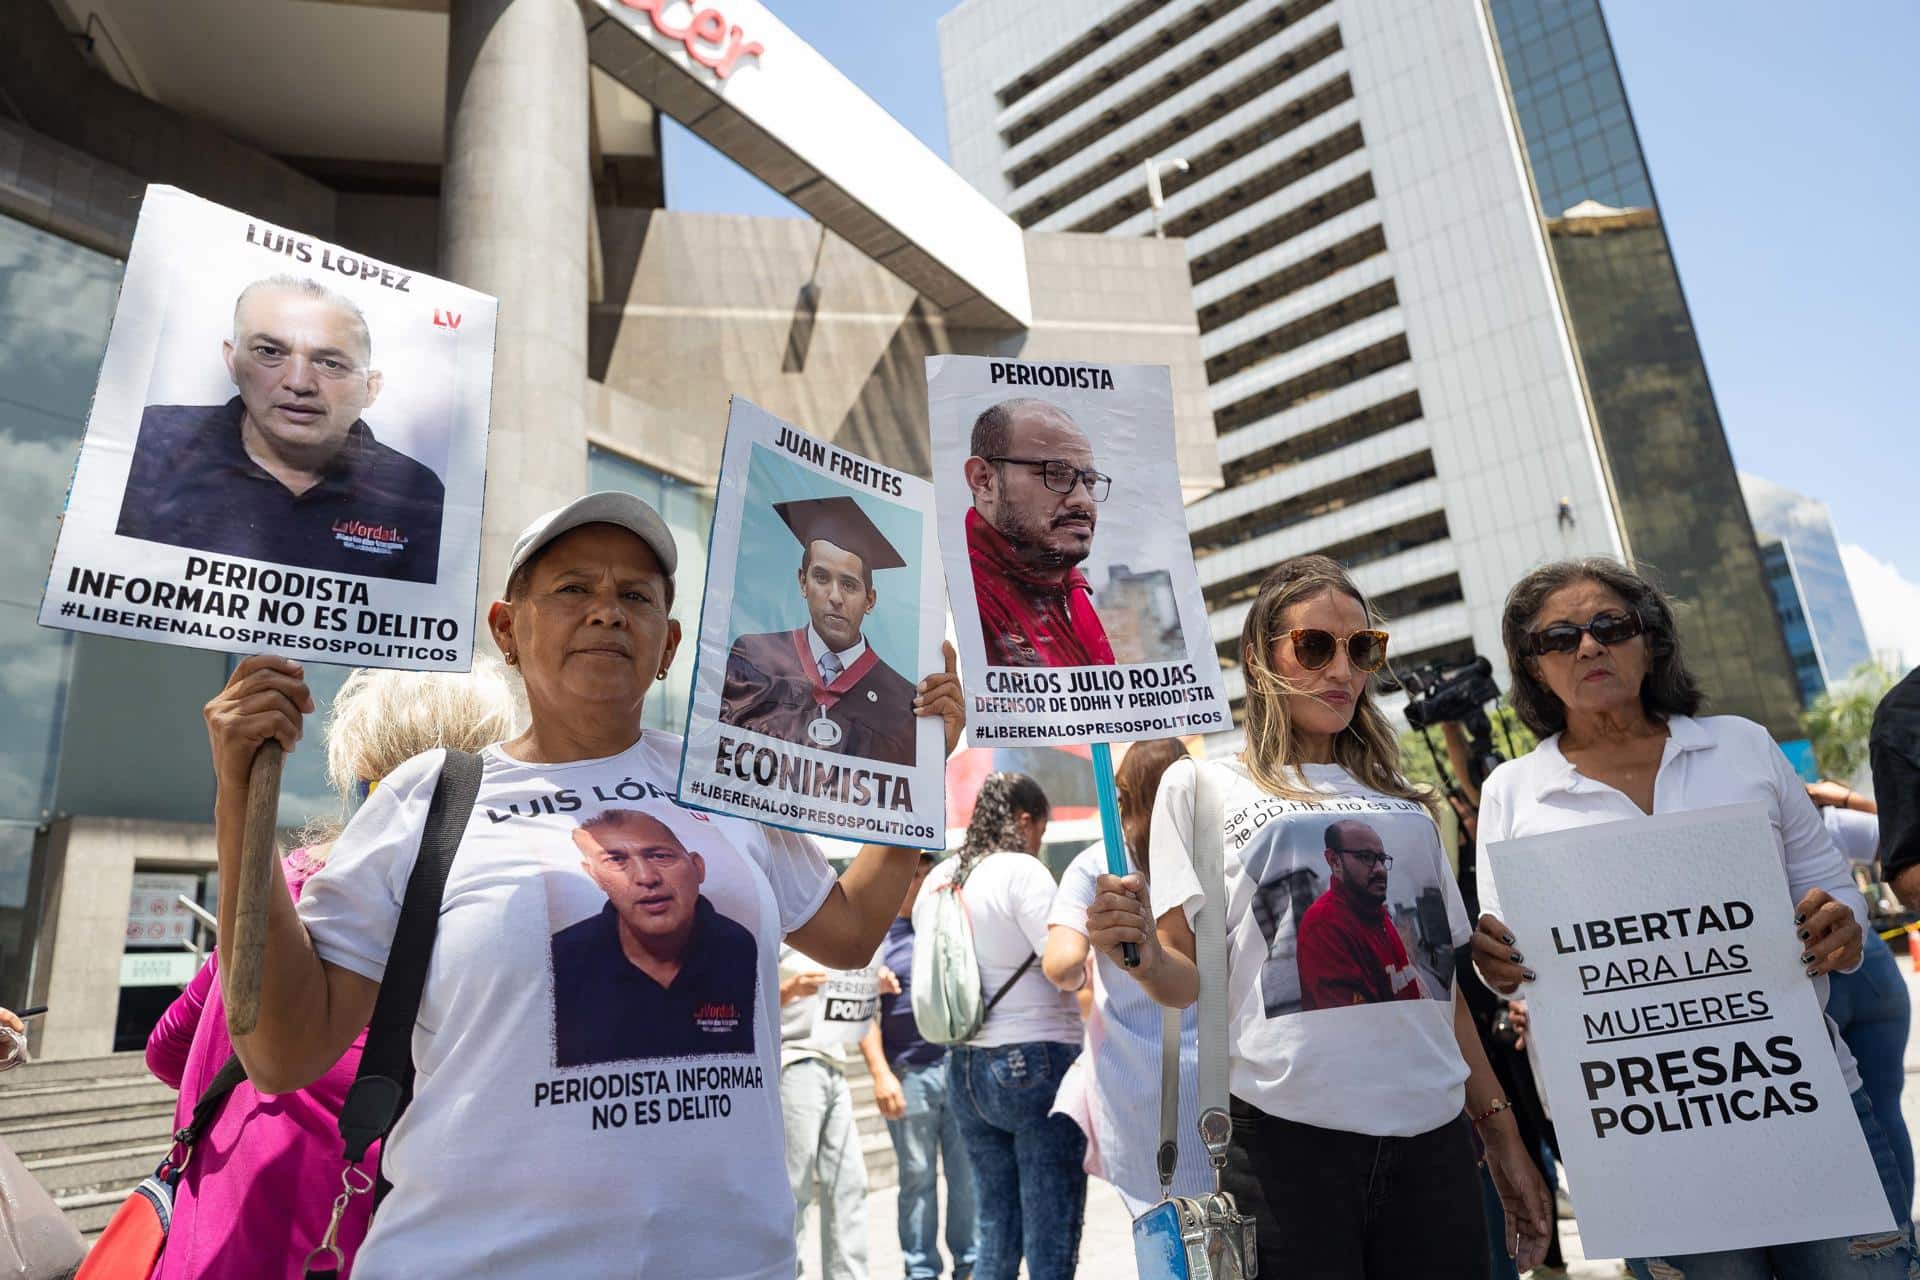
[
  {"x": 1675, "y": 488},
  {"x": 56, "y": 301},
  {"x": 1805, "y": 526},
  {"x": 1790, "y": 605}
]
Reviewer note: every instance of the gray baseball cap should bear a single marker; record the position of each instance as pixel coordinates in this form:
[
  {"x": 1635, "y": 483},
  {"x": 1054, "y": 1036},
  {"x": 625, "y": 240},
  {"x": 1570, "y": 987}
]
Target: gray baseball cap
[{"x": 606, "y": 507}]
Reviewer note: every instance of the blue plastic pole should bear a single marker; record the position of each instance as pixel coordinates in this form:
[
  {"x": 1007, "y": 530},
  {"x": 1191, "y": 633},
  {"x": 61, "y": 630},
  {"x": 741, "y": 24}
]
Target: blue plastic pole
[{"x": 1110, "y": 830}]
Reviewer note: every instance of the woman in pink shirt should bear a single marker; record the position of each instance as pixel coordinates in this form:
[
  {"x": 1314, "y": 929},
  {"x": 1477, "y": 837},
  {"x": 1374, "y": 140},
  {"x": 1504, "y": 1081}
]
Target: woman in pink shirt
[{"x": 260, "y": 1185}]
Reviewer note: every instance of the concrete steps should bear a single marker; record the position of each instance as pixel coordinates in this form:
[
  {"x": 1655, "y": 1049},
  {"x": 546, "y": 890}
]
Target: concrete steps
[{"x": 88, "y": 1128}]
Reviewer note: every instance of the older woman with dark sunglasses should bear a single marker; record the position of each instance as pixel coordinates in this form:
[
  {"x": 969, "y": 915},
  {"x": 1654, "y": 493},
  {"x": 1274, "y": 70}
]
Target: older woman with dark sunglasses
[{"x": 1598, "y": 674}]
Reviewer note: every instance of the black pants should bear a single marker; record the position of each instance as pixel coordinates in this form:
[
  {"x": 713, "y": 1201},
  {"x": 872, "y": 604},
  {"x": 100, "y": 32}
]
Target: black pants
[{"x": 1344, "y": 1206}]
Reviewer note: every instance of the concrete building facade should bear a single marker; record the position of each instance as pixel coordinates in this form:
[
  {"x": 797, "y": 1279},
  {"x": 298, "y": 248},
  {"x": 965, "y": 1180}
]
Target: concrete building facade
[
  {"x": 512, "y": 145},
  {"x": 1399, "y": 370}
]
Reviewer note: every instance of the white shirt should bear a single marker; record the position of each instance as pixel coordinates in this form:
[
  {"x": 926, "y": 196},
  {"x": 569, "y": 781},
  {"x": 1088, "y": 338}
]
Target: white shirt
[
  {"x": 1008, "y": 896},
  {"x": 1855, "y": 834},
  {"x": 508, "y": 1163},
  {"x": 1715, "y": 760},
  {"x": 821, "y": 649},
  {"x": 1112, "y": 1091},
  {"x": 1342, "y": 1037}
]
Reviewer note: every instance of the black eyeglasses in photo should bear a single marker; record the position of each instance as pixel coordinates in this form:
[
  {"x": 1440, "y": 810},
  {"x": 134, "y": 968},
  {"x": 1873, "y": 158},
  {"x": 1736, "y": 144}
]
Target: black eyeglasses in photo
[
  {"x": 1609, "y": 628},
  {"x": 1061, "y": 477}
]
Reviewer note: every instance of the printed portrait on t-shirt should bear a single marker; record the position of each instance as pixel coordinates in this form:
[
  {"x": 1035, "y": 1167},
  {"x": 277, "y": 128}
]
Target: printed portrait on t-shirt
[
  {"x": 1350, "y": 900},
  {"x": 653, "y": 952}
]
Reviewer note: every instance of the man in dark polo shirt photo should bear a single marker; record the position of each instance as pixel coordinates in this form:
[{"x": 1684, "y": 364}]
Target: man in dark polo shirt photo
[
  {"x": 658, "y": 973},
  {"x": 287, "y": 471}
]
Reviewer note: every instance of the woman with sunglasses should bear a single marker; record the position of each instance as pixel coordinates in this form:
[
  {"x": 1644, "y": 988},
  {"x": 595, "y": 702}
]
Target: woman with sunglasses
[
  {"x": 1357, "y": 1075},
  {"x": 1598, "y": 674}
]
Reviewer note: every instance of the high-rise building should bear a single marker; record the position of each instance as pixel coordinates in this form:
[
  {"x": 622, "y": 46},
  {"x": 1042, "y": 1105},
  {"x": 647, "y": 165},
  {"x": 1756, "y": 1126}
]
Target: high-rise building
[
  {"x": 1445, "y": 339},
  {"x": 1804, "y": 529},
  {"x": 1790, "y": 606}
]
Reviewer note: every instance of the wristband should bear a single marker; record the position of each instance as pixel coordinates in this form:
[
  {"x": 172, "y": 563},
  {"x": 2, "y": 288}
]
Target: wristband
[{"x": 1499, "y": 1105}]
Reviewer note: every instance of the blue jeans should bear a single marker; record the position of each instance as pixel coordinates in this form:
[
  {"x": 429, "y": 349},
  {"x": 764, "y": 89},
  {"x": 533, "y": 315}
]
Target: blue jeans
[
  {"x": 926, "y": 1135},
  {"x": 1871, "y": 1007},
  {"x": 1879, "y": 1256},
  {"x": 1027, "y": 1174}
]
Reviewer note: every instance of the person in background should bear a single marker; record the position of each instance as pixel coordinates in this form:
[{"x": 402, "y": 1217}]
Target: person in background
[
  {"x": 823, "y": 1142},
  {"x": 1324, "y": 1099},
  {"x": 1027, "y": 1174},
  {"x": 1871, "y": 1005},
  {"x": 1599, "y": 675},
  {"x": 1893, "y": 750},
  {"x": 912, "y": 1090},
  {"x": 1113, "y": 1091},
  {"x": 256, "y": 1194},
  {"x": 13, "y": 1040}
]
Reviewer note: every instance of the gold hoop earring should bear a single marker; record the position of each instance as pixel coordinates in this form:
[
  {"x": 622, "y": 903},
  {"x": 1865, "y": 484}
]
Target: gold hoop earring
[{"x": 511, "y": 660}]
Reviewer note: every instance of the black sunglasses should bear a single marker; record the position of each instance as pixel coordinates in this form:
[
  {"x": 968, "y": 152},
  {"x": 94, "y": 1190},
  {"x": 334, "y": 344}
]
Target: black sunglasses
[
  {"x": 1605, "y": 628},
  {"x": 1314, "y": 648}
]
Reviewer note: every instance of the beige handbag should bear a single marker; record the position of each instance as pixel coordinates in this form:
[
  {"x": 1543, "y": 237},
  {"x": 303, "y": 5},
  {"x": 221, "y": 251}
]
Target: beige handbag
[{"x": 36, "y": 1240}]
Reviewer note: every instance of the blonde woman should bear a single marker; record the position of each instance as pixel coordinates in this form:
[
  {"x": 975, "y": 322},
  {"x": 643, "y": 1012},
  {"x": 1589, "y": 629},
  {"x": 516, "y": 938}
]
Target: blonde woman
[
  {"x": 256, "y": 1194},
  {"x": 1356, "y": 1073}
]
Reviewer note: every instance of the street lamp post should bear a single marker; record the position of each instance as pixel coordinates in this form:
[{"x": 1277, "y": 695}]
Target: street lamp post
[{"x": 1154, "y": 196}]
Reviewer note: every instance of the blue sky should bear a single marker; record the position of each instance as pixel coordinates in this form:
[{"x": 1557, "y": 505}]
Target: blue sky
[{"x": 1781, "y": 143}]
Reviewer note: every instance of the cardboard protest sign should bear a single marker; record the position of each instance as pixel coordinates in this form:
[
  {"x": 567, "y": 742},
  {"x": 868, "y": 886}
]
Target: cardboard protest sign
[
  {"x": 823, "y": 610},
  {"x": 1075, "y": 598},
  {"x": 848, "y": 1001},
  {"x": 286, "y": 451},
  {"x": 1687, "y": 1063}
]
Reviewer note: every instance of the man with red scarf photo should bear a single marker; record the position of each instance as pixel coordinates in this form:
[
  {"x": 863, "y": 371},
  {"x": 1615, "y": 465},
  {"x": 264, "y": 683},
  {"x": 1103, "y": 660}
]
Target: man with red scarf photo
[
  {"x": 1036, "y": 496},
  {"x": 823, "y": 684}
]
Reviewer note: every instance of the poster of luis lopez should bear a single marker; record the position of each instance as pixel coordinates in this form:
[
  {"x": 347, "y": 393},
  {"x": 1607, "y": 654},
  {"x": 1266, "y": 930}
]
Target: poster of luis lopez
[
  {"x": 823, "y": 609},
  {"x": 1074, "y": 594},
  {"x": 286, "y": 451}
]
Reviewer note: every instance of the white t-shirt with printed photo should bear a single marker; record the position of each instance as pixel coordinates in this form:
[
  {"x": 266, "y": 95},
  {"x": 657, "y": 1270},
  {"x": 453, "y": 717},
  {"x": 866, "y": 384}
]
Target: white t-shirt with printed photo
[
  {"x": 1339, "y": 967},
  {"x": 572, "y": 1116}
]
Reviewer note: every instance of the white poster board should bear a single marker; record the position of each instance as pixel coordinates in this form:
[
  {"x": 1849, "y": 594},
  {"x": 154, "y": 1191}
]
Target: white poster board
[
  {"x": 1075, "y": 599},
  {"x": 848, "y": 1001},
  {"x": 823, "y": 610},
  {"x": 286, "y": 451},
  {"x": 1695, "y": 1091}
]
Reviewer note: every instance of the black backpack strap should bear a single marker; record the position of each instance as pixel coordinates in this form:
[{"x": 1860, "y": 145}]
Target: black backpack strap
[
  {"x": 1007, "y": 986},
  {"x": 231, "y": 1073},
  {"x": 384, "y": 1084}
]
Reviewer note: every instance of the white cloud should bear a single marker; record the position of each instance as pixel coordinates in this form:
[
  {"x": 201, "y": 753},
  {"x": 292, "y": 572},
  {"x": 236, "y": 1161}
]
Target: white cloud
[{"x": 1889, "y": 604}]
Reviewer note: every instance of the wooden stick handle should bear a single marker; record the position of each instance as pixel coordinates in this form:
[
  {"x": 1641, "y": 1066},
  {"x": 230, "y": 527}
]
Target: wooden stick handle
[{"x": 243, "y": 957}]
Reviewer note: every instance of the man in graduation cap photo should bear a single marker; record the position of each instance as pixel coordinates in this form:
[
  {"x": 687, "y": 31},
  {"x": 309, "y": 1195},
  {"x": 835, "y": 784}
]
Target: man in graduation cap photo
[
  {"x": 1036, "y": 497},
  {"x": 823, "y": 684}
]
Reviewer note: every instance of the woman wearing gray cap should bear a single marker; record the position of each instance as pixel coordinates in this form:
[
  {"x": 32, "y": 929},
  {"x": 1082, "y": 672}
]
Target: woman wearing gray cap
[{"x": 597, "y": 1045}]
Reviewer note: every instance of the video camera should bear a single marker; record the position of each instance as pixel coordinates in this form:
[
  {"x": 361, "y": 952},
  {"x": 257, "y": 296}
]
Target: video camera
[{"x": 1438, "y": 694}]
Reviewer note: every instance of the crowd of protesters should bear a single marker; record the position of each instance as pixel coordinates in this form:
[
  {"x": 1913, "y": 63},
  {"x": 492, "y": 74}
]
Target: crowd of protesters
[{"x": 493, "y": 1171}]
